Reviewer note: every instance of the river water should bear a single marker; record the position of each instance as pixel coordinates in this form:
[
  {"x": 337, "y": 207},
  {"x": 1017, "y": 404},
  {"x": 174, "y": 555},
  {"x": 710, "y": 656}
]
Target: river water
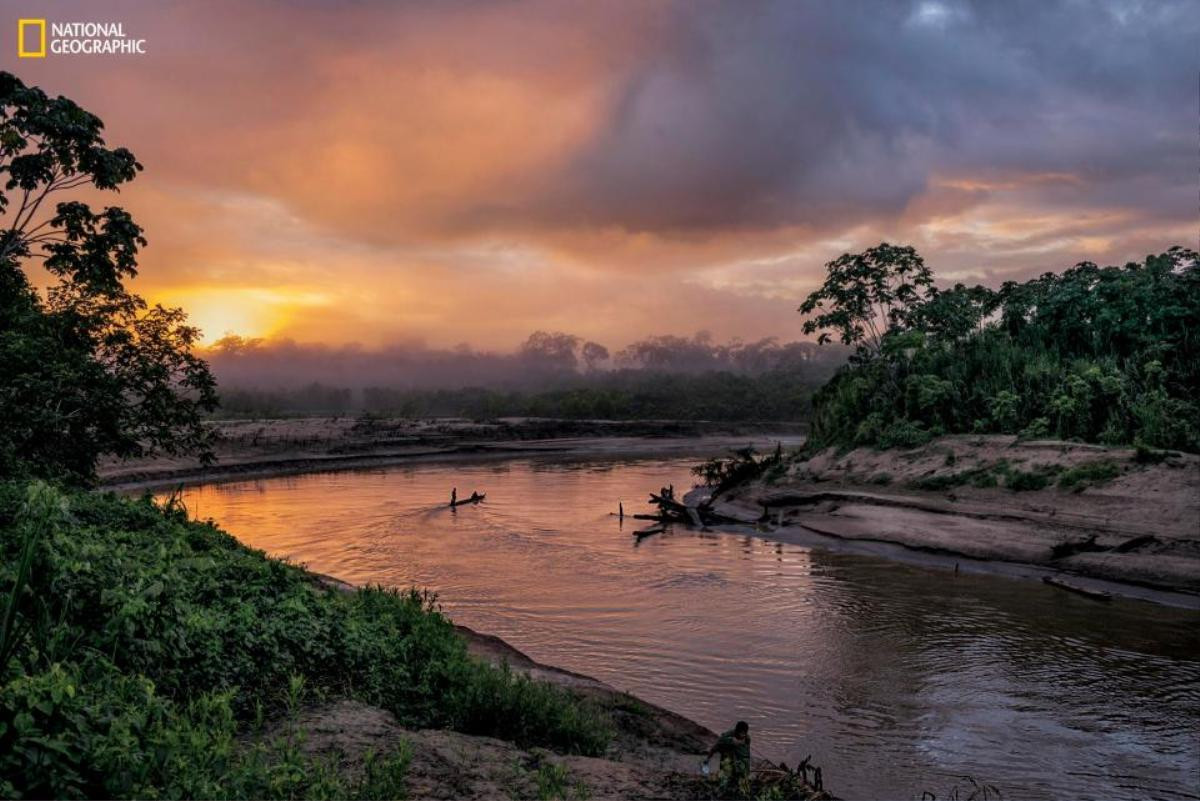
[{"x": 896, "y": 678}]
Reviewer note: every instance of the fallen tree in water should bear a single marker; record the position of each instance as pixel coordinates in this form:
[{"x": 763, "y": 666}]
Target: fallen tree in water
[{"x": 671, "y": 510}]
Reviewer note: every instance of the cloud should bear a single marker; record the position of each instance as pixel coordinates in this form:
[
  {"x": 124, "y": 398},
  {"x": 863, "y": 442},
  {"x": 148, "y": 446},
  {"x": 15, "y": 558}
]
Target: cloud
[{"x": 473, "y": 171}]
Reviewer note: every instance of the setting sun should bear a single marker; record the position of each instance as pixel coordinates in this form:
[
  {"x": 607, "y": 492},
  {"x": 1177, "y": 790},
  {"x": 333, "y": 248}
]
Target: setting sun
[{"x": 247, "y": 312}]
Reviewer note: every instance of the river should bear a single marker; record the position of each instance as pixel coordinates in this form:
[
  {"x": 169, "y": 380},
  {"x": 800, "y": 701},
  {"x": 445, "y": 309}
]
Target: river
[{"x": 896, "y": 678}]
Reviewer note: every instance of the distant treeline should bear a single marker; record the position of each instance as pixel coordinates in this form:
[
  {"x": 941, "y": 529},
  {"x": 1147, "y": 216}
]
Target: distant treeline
[
  {"x": 551, "y": 375},
  {"x": 620, "y": 395},
  {"x": 543, "y": 357}
]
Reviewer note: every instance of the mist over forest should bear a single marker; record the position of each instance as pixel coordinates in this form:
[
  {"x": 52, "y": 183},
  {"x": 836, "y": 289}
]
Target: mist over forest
[{"x": 550, "y": 374}]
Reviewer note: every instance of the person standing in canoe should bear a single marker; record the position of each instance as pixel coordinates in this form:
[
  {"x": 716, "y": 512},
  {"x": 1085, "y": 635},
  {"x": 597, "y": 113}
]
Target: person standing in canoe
[{"x": 454, "y": 496}]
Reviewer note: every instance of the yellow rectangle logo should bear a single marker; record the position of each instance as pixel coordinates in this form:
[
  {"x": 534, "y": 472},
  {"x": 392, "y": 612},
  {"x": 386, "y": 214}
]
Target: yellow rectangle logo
[{"x": 22, "y": 26}]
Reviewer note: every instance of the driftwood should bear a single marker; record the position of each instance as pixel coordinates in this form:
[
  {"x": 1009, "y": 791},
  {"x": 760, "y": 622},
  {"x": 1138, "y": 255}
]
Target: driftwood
[
  {"x": 672, "y": 511},
  {"x": 778, "y": 781},
  {"x": 1071, "y": 586}
]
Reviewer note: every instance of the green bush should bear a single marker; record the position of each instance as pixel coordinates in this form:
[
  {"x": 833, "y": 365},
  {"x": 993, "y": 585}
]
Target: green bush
[
  {"x": 1078, "y": 478},
  {"x": 741, "y": 466},
  {"x": 1026, "y": 481},
  {"x": 984, "y": 476},
  {"x": 903, "y": 434},
  {"x": 85, "y": 730},
  {"x": 145, "y": 645}
]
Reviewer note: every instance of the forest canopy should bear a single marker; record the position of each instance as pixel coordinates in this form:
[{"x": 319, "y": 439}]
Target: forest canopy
[{"x": 1100, "y": 354}]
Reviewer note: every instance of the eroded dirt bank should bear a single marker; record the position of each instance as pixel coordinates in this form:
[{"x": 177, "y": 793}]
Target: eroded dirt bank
[
  {"x": 261, "y": 448},
  {"x": 1066, "y": 508},
  {"x": 656, "y": 754}
]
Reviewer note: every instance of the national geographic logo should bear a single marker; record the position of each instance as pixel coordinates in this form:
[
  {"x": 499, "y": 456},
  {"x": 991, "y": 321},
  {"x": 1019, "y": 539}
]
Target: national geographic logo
[
  {"x": 31, "y": 28},
  {"x": 75, "y": 39}
]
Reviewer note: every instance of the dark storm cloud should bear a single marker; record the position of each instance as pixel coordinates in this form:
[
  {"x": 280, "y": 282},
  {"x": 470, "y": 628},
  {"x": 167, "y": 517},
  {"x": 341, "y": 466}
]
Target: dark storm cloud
[{"x": 762, "y": 114}]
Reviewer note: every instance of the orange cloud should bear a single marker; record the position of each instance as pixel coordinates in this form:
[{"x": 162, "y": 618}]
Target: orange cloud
[{"x": 453, "y": 172}]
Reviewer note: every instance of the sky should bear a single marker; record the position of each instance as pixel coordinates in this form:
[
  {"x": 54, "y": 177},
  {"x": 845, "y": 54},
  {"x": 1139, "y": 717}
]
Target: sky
[{"x": 446, "y": 172}]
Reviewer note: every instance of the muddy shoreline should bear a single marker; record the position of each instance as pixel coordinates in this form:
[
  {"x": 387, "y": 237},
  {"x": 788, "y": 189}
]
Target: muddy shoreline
[
  {"x": 656, "y": 752},
  {"x": 269, "y": 448},
  {"x": 1133, "y": 529}
]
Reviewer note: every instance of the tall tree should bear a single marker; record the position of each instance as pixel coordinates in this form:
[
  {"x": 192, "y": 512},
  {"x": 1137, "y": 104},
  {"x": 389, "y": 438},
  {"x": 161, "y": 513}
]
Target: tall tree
[
  {"x": 867, "y": 294},
  {"x": 87, "y": 368}
]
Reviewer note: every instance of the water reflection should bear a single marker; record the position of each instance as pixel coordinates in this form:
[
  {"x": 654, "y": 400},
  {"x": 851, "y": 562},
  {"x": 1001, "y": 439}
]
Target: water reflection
[{"x": 896, "y": 678}]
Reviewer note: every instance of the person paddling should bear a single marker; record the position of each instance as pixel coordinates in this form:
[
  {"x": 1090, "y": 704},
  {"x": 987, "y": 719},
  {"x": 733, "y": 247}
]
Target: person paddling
[{"x": 454, "y": 496}]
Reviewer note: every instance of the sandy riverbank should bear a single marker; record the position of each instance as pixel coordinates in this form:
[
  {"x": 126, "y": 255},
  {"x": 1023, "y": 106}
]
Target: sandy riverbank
[
  {"x": 1096, "y": 513},
  {"x": 656, "y": 753},
  {"x": 264, "y": 448}
]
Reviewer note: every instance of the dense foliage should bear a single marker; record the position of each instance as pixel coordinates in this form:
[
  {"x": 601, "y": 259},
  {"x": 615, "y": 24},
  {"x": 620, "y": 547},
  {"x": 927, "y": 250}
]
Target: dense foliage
[
  {"x": 1100, "y": 354},
  {"x": 141, "y": 653},
  {"x": 88, "y": 368}
]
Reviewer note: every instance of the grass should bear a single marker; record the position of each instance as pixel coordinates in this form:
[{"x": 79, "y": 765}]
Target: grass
[
  {"x": 1029, "y": 480},
  {"x": 1083, "y": 476},
  {"x": 554, "y": 784},
  {"x": 147, "y": 650},
  {"x": 982, "y": 477},
  {"x": 999, "y": 473}
]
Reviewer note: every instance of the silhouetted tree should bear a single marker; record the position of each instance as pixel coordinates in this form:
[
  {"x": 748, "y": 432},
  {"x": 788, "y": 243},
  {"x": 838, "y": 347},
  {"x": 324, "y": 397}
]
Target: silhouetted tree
[
  {"x": 867, "y": 294},
  {"x": 550, "y": 351},
  {"x": 86, "y": 369},
  {"x": 594, "y": 354}
]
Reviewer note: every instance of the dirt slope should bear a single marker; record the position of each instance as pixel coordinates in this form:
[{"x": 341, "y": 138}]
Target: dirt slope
[{"x": 1105, "y": 513}]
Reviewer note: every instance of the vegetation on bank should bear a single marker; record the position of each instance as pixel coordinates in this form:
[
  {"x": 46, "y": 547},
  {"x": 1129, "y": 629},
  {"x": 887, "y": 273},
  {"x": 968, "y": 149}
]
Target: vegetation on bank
[
  {"x": 142, "y": 654},
  {"x": 1108, "y": 355}
]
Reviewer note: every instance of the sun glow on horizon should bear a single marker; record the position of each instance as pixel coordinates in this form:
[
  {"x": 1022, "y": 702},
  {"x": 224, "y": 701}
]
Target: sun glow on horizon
[{"x": 247, "y": 312}]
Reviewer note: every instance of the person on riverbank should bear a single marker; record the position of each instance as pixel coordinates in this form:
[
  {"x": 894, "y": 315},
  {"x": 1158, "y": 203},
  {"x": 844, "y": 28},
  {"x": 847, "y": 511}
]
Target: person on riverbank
[{"x": 734, "y": 748}]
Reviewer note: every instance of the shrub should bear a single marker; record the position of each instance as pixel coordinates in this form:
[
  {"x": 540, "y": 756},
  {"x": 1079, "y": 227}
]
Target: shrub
[
  {"x": 1084, "y": 475},
  {"x": 740, "y": 467},
  {"x": 1026, "y": 481},
  {"x": 977, "y": 477},
  {"x": 903, "y": 434},
  {"x": 149, "y": 645}
]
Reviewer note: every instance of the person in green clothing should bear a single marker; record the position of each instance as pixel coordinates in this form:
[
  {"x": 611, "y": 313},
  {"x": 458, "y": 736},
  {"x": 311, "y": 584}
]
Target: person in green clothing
[{"x": 734, "y": 748}]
